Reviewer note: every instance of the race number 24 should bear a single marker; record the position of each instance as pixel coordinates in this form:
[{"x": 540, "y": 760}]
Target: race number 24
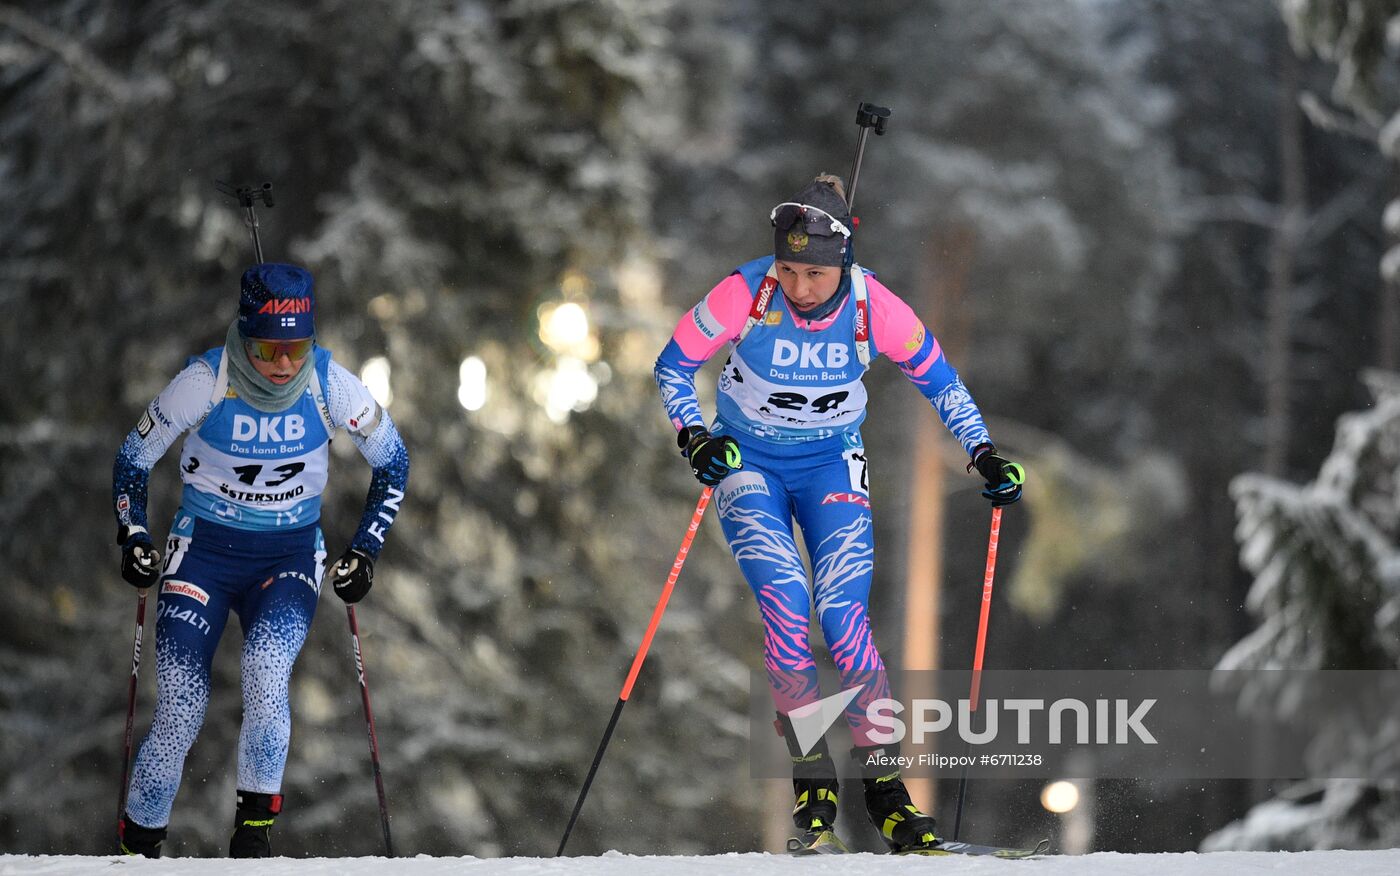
[{"x": 796, "y": 401}]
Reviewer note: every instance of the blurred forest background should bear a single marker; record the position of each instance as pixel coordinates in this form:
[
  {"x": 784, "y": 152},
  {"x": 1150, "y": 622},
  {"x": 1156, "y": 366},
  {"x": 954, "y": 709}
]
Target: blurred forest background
[{"x": 1154, "y": 235}]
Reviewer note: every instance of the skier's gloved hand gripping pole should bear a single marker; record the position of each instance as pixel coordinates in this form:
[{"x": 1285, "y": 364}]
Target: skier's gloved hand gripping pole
[
  {"x": 141, "y": 569},
  {"x": 641, "y": 655}
]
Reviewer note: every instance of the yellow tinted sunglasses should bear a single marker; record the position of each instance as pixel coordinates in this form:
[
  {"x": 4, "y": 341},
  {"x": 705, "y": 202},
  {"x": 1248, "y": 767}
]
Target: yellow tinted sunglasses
[{"x": 271, "y": 351}]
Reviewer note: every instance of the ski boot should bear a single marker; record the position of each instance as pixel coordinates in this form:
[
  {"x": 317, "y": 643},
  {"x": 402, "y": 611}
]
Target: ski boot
[
  {"x": 815, "y": 788},
  {"x": 252, "y": 825},
  {"x": 903, "y": 826},
  {"x": 138, "y": 840}
]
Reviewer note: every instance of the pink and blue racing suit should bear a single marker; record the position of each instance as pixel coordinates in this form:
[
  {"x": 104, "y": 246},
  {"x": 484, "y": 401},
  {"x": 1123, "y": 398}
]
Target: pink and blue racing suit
[{"x": 791, "y": 394}]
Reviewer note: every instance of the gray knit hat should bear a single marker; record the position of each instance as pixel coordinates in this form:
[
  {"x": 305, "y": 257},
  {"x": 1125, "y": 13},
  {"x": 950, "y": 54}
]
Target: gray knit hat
[{"x": 806, "y": 235}]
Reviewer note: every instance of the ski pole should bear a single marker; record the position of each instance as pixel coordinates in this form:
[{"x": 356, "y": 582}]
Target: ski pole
[
  {"x": 373, "y": 739},
  {"x": 637, "y": 660},
  {"x": 977, "y": 656},
  {"x": 131, "y": 707},
  {"x": 868, "y": 116},
  {"x": 246, "y": 196}
]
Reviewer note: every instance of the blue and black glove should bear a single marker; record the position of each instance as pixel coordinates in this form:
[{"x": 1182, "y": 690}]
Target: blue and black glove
[
  {"x": 711, "y": 457},
  {"x": 1004, "y": 478},
  {"x": 140, "y": 558}
]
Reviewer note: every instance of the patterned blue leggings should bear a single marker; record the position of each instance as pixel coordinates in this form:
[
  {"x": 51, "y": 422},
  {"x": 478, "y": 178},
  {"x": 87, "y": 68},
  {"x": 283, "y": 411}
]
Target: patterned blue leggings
[
  {"x": 822, "y": 484},
  {"x": 272, "y": 581}
]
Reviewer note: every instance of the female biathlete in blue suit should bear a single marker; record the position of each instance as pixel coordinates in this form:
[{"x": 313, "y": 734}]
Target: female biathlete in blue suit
[
  {"x": 786, "y": 443},
  {"x": 260, "y": 411}
]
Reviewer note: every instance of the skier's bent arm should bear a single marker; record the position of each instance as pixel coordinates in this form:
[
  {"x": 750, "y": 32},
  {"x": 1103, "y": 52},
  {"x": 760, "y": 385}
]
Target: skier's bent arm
[
  {"x": 373, "y": 433},
  {"x": 180, "y": 406},
  {"x": 709, "y": 325},
  {"x": 384, "y": 450}
]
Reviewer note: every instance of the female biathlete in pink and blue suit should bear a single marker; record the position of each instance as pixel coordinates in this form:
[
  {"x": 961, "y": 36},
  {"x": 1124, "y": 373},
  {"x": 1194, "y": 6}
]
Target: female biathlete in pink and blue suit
[{"x": 786, "y": 443}]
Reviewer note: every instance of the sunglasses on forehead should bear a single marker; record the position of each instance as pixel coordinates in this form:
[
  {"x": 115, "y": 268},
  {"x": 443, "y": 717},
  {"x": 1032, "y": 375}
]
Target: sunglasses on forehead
[
  {"x": 814, "y": 219},
  {"x": 271, "y": 351}
]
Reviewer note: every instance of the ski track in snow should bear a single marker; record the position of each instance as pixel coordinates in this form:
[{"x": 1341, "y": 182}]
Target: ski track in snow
[{"x": 1350, "y": 863}]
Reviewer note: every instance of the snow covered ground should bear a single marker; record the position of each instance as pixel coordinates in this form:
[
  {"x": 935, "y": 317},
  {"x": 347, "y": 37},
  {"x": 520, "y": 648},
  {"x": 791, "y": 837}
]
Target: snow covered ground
[{"x": 1372, "y": 863}]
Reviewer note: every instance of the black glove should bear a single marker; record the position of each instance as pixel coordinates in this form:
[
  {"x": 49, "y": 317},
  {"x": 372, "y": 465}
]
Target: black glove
[
  {"x": 140, "y": 559},
  {"x": 1004, "y": 479},
  {"x": 711, "y": 458},
  {"x": 353, "y": 575}
]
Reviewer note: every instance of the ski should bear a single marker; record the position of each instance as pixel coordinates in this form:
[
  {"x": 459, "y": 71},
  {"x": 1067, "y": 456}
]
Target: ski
[
  {"x": 948, "y": 847},
  {"x": 828, "y": 843},
  {"x": 823, "y": 843}
]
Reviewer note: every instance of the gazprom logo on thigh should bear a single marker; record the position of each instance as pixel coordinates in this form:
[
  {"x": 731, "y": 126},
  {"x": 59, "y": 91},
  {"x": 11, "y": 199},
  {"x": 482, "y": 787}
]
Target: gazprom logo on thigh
[
  {"x": 739, "y": 484},
  {"x": 182, "y": 588}
]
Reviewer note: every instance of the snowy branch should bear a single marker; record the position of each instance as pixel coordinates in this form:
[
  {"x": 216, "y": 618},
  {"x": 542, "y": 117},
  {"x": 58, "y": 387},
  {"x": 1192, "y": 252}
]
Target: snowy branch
[{"x": 81, "y": 60}]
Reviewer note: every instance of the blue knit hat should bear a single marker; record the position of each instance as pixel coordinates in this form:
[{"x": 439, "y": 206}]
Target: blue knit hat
[{"x": 277, "y": 302}]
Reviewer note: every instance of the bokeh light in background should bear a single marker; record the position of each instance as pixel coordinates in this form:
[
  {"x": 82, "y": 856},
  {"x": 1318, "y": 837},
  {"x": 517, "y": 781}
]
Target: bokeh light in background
[
  {"x": 471, "y": 391},
  {"x": 375, "y": 375},
  {"x": 1060, "y": 797},
  {"x": 564, "y": 327},
  {"x": 567, "y": 387},
  {"x": 471, "y": 376}
]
